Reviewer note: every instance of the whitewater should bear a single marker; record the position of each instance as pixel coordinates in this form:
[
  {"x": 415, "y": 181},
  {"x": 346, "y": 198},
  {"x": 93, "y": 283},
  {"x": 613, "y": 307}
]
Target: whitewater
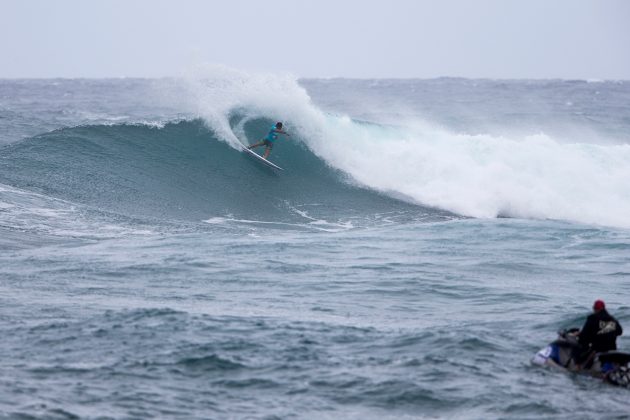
[{"x": 425, "y": 239}]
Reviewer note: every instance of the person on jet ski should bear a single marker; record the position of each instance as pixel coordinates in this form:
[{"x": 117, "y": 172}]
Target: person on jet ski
[{"x": 599, "y": 333}]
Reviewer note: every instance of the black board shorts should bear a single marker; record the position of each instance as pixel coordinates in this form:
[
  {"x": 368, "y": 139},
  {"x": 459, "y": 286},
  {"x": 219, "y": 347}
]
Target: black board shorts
[{"x": 268, "y": 143}]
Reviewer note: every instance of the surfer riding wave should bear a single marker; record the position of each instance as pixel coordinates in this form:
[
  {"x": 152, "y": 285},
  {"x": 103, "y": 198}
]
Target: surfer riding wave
[{"x": 269, "y": 139}]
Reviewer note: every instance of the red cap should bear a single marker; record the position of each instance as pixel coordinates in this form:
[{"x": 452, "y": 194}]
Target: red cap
[{"x": 599, "y": 305}]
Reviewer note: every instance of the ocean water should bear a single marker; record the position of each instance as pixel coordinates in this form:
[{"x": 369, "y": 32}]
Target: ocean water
[{"x": 425, "y": 239}]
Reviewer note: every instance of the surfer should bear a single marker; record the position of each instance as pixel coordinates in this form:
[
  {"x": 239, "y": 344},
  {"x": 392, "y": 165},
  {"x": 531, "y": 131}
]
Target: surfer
[{"x": 271, "y": 137}]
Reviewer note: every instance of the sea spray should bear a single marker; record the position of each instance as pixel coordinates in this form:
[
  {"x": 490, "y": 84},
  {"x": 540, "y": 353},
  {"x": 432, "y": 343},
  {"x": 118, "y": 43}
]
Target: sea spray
[{"x": 484, "y": 175}]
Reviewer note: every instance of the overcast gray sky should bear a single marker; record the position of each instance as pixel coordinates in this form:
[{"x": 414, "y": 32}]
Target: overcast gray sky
[{"x": 586, "y": 39}]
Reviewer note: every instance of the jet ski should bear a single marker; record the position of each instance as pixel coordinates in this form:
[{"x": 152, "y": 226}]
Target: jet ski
[{"x": 611, "y": 366}]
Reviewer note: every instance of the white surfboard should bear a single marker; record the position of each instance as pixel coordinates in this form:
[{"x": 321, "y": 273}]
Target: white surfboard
[{"x": 262, "y": 159}]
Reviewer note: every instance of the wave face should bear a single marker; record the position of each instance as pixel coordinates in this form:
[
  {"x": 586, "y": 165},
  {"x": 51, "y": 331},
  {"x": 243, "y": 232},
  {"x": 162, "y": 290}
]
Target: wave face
[{"x": 182, "y": 171}]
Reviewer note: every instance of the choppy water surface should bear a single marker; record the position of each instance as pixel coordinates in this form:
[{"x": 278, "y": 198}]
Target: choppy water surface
[{"x": 148, "y": 269}]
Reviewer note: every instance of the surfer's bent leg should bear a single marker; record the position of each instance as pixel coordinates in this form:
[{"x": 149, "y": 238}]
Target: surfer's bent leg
[{"x": 260, "y": 143}]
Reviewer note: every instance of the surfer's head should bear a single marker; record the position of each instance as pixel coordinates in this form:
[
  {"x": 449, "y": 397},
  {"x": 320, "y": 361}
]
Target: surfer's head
[{"x": 278, "y": 124}]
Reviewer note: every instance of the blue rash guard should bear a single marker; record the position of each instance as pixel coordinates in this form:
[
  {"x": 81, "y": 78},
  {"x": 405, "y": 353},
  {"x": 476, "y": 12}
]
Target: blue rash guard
[{"x": 272, "y": 134}]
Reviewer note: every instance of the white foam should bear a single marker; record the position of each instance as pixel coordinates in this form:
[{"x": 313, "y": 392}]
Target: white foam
[
  {"x": 319, "y": 225},
  {"x": 485, "y": 176},
  {"x": 216, "y": 92},
  {"x": 473, "y": 175},
  {"x": 33, "y": 212}
]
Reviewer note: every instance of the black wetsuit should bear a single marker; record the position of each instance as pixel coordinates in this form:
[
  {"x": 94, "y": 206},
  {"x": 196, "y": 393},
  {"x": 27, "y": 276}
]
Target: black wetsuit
[{"x": 600, "y": 332}]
